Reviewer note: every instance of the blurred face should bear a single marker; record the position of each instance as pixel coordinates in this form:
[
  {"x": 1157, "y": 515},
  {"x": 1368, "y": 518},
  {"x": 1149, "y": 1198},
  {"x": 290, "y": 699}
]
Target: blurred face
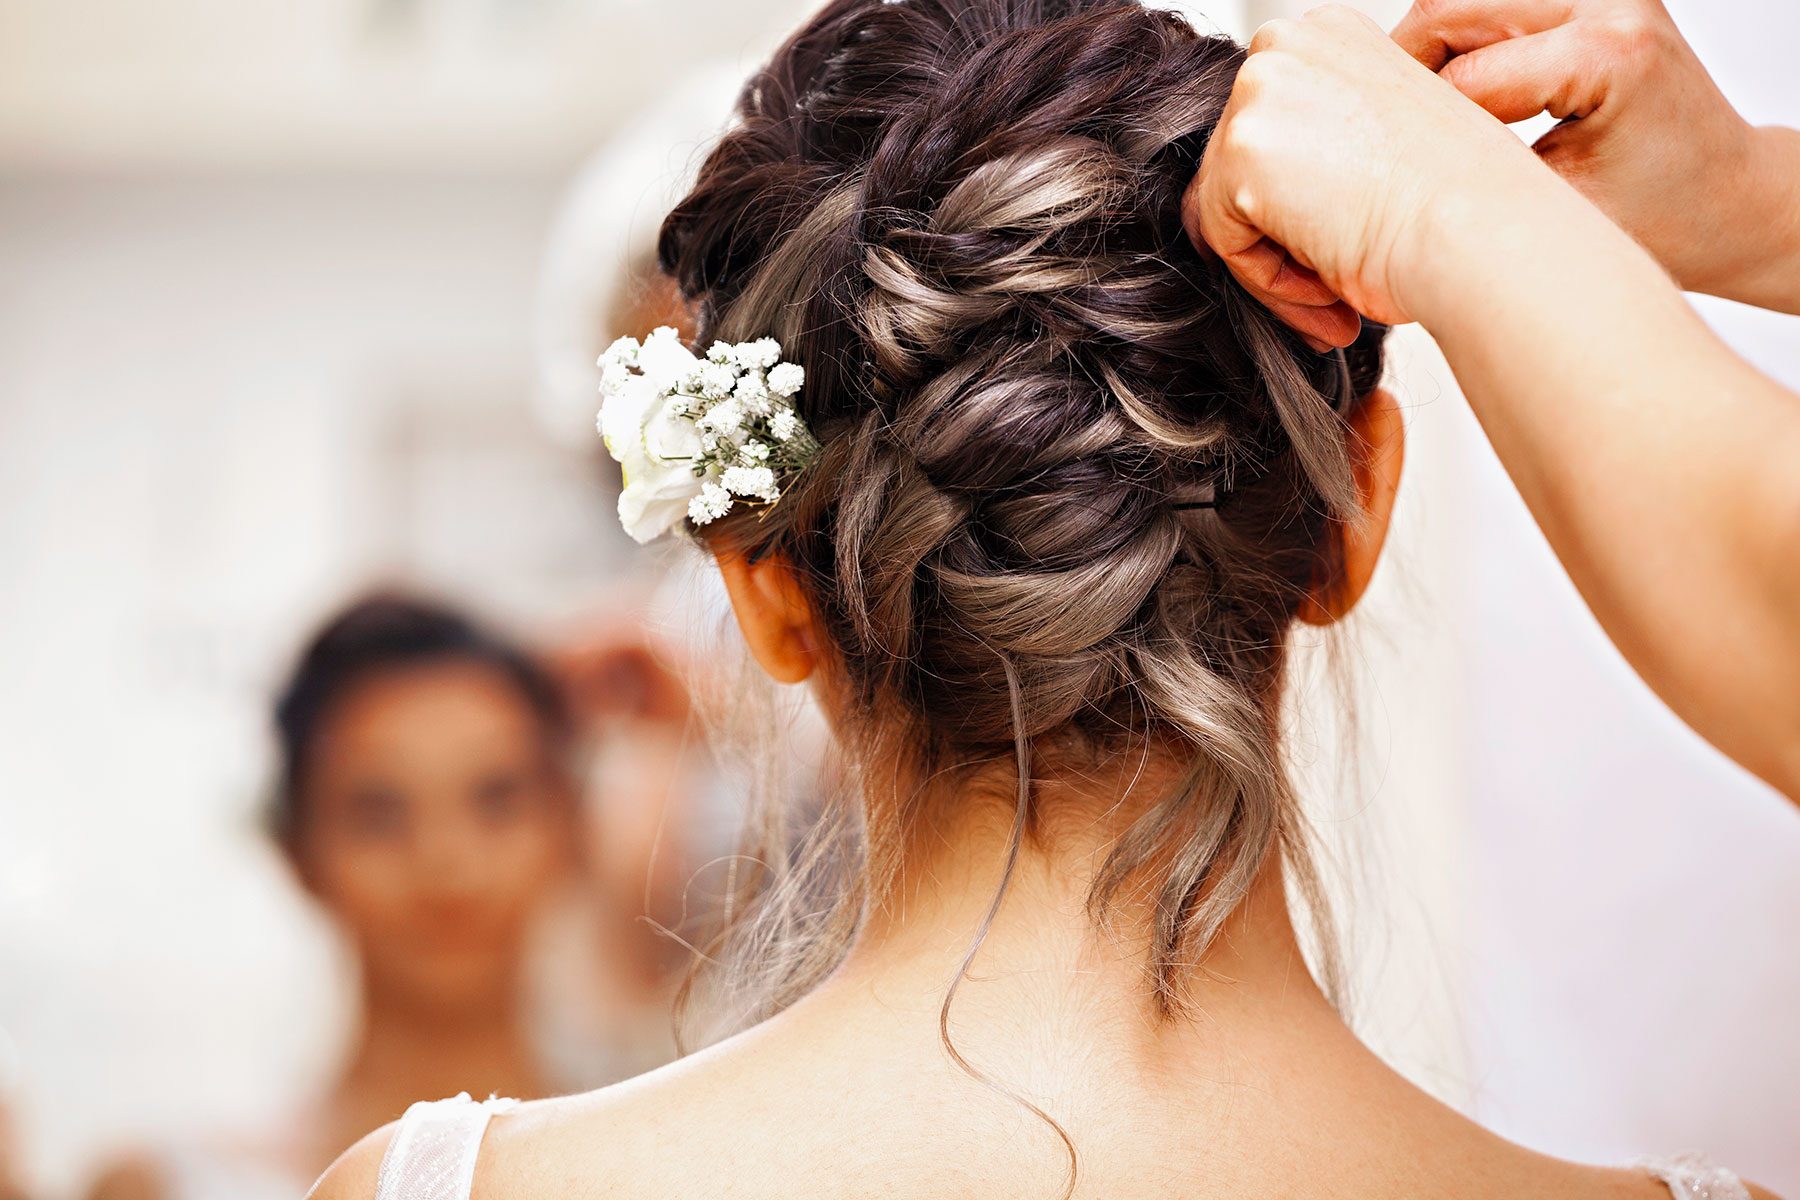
[{"x": 434, "y": 823}]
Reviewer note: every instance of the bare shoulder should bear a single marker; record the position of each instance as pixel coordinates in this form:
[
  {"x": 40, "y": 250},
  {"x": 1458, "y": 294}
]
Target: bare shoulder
[
  {"x": 609, "y": 1142},
  {"x": 353, "y": 1175},
  {"x": 738, "y": 1112},
  {"x": 1657, "y": 1190},
  {"x": 1566, "y": 1180}
]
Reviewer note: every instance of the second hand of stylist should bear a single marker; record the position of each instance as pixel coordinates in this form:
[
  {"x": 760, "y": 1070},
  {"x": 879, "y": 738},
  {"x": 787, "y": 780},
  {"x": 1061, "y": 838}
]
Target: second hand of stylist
[
  {"x": 1663, "y": 469},
  {"x": 1645, "y": 132}
]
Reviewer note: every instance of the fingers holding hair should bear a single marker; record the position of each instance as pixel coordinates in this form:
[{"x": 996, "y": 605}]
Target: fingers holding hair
[
  {"x": 1279, "y": 282},
  {"x": 1215, "y": 209}
]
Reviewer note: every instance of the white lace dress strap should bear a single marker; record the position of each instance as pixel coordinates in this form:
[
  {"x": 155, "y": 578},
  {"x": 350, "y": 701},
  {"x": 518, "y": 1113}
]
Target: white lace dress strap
[
  {"x": 432, "y": 1154},
  {"x": 1694, "y": 1177}
]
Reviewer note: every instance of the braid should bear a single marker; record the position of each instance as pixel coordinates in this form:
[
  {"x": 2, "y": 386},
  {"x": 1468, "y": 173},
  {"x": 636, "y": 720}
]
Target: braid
[{"x": 1075, "y": 484}]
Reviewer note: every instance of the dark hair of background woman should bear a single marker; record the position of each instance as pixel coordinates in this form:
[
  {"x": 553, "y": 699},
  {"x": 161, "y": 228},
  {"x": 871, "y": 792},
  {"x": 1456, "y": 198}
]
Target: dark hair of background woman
[{"x": 379, "y": 634}]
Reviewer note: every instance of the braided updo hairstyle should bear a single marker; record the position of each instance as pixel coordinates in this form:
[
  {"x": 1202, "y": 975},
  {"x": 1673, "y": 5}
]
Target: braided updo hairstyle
[{"x": 1075, "y": 484}]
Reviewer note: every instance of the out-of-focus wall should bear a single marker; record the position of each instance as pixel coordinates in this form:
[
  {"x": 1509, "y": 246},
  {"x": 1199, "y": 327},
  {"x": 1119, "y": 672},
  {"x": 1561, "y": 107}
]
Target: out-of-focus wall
[
  {"x": 226, "y": 403},
  {"x": 266, "y": 280},
  {"x": 459, "y": 85},
  {"x": 267, "y": 277}
]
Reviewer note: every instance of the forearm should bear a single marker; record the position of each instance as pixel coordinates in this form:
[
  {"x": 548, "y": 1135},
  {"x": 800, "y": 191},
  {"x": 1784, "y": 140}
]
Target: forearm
[
  {"x": 1764, "y": 205},
  {"x": 1663, "y": 469}
]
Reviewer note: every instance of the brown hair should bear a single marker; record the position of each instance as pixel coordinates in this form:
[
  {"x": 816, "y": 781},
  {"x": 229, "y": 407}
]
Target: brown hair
[
  {"x": 1075, "y": 483},
  {"x": 379, "y": 634}
]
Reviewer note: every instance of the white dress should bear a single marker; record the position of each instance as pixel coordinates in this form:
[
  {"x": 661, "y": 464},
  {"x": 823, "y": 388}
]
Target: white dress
[{"x": 432, "y": 1157}]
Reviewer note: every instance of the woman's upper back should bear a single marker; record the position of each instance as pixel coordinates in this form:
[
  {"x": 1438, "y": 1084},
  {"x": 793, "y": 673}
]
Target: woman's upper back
[
  {"x": 433, "y": 1152},
  {"x": 851, "y": 1093}
]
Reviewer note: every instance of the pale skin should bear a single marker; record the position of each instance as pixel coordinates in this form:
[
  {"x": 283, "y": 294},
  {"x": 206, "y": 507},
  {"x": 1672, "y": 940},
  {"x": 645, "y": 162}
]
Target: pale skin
[
  {"x": 1347, "y": 177},
  {"x": 1262, "y": 1091}
]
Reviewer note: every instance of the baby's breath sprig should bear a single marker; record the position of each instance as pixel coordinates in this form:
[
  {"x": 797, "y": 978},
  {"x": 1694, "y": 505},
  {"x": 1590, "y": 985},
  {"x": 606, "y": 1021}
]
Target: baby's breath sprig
[{"x": 697, "y": 436}]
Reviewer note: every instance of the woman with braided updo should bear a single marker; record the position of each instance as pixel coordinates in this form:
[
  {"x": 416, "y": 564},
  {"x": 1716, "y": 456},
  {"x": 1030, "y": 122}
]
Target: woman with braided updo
[{"x": 1072, "y": 490}]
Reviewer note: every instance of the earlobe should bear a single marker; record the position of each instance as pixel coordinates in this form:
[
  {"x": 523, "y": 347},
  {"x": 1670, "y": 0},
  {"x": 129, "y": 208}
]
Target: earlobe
[
  {"x": 1378, "y": 450},
  {"x": 772, "y": 613}
]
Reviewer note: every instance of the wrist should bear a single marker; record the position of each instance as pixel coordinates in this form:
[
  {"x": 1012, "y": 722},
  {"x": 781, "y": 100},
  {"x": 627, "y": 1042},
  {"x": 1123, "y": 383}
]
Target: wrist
[
  {"x": 1461, "y": 242},
  {"x": 1762, "y": 212}
]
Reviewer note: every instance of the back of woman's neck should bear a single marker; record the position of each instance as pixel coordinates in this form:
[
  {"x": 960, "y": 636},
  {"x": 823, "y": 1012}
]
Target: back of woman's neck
[{"x": 1045, "y": 950}]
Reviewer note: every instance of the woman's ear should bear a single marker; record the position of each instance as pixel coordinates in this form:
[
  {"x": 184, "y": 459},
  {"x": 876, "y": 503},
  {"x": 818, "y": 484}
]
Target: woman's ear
[
  {"x": 1377, "y": 452},
  {"x": 773, "y": 614}
]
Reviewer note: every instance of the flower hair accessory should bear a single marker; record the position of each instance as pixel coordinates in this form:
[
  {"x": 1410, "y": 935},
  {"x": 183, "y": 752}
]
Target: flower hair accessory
[{"x": 696, "y": 436}]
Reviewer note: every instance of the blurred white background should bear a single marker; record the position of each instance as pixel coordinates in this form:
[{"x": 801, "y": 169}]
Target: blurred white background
[{"x": 269, "y": 277}]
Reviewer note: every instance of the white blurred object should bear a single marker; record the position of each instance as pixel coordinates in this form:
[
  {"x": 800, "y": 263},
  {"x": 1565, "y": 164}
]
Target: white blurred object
[
  {"x": 9, "y": 1067},
  {"x": 520, "y": 85},
  {"x": 606, "y": 225},
  {"x": 1208, "y": 16}
]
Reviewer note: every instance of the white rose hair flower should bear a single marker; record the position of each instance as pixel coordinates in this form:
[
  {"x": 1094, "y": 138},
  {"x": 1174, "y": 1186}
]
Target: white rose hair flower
[{"x": 694, "y": 437}]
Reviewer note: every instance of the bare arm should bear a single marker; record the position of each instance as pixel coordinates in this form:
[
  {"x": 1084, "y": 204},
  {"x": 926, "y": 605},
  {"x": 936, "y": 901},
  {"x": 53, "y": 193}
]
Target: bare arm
[{"x": 1664, "y": 470}]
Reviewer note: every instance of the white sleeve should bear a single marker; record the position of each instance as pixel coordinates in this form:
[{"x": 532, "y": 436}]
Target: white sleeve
[{"x": 432, "y": 1155}]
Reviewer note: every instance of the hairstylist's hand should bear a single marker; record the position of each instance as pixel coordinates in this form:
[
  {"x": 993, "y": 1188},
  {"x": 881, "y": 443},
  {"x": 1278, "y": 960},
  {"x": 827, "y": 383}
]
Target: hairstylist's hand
[
  {"x": 1646, "y": 134},
  {"x": 1333, "y": 151}
]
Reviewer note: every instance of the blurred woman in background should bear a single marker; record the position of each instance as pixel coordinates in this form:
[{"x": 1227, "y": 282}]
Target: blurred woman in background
[{"x": 427, "y": 800}]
